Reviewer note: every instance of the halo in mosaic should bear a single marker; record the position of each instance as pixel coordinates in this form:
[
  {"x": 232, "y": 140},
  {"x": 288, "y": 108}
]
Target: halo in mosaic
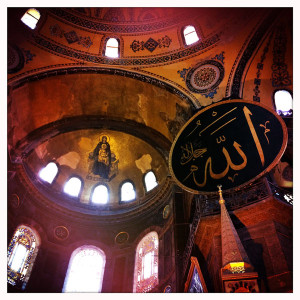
[{"x": 205, "y": 76}]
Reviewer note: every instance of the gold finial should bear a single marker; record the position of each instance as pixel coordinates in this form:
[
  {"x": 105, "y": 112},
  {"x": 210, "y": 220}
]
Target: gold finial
[{"x": 221, "y": 200}]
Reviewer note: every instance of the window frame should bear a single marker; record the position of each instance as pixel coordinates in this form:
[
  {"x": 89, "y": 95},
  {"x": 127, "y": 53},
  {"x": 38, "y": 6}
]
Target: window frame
[
  {"x": 144, "y": 181},
  {"x": 81, "y": 187},
  {"x": 21, "y": 278},
  {"x": 274, "y": 103},
  {"x": 38, "y": 20},
  {"x": 120, "y": 192},
  {"x": 92, "y": 192},
  {"x": 56, "y": 175},
  {"x": 138, "y": 263},
  {"x": 105, "y": 44},
  {"x": 183, "y": 35},
  {"x": 73, "y": 255}
]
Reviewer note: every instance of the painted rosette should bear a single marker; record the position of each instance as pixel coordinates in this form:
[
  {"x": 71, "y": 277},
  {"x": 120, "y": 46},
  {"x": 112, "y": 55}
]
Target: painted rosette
[{"x": 205, "y": 77}]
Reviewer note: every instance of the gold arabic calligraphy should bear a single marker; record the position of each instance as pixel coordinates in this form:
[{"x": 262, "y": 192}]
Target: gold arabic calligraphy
[
  {"x": 230, "y": 164},
  {"x": 189, "y": 153}
]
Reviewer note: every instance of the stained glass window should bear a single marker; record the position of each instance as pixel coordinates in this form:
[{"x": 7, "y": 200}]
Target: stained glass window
[
  {"x": 150, "y": 181},
  {"x": 85, "y": 271},
  {"x": 127, "y": 191},
  {"x": 31, "y": 17},
  {"x": 100, "y": 194},
  {"x": 21, "y": 254},
  {"x": 283, "y": 102},
  {"x": 146, "y": 264},
  {"x": 190, "y": 35},
  {"x": 73, "y": 186},
  {"x": 49, "y": 172},
  {"x": 112, "y": 48}
]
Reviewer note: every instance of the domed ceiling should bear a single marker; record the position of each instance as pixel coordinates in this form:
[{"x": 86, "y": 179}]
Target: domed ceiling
[
  {"x": 73, "y": 152},
  {"x": 64, "y": 93}
]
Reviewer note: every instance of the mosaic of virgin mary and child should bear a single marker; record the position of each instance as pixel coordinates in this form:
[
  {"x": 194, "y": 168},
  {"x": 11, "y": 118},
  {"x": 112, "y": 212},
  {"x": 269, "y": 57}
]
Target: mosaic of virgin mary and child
[{"x": 105, "y": 164}]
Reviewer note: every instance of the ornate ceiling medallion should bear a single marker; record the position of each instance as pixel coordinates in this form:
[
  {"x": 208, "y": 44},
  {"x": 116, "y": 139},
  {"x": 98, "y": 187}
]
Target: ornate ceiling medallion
[
  {"x": 61, "y": 232},
  {"x": 121, "y": 238},
  {"x": 15, "y": 59},
  {"x": 166, "y": 211},
  {"x": 14, "y": 201},
  {"x": 205, "y": 76}
]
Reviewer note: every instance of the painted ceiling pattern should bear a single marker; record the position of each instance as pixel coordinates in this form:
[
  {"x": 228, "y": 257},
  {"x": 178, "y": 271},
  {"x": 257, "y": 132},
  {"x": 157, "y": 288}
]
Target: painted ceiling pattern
[{"x": 116, "y": 15}]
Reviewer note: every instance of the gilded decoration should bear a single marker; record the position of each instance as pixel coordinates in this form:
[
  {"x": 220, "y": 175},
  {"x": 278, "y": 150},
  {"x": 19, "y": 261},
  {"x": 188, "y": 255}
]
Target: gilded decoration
[
  {"x": 205, "y": 153},
  {"x": 205, "y": 76},
  {"x": 241, "y": 286},
  {"x": 103, "y": 162},
  {"x": 121, "y": 238},
  {"x": 14, "y": 201},
  {"x": 166, "y": 211},
  {"x": 61, "y": 232}
]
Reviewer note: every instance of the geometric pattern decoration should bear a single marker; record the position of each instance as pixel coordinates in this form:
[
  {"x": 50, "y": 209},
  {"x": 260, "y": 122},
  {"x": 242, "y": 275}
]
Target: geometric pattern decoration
[
  {"x": 112, "y": 15},
  {"x": 71, "y": 36},
  {"x": 15, "y": 59},
  {"x": 150, "y": 44},
  {"x": 280, "y": 75},
  {"x": 146, "y": 264},
  {"x": 260, "y": 65},
  {"x": 164, "y": 59},
  {"x": 205, "y": 76}
]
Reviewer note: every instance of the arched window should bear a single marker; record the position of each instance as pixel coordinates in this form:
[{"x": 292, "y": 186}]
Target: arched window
[
  {"x": 127, "y": 191},
  {"x": 100, "y": 194},
  {"x": 73, "y": 186},
  {"x": 190, "y": 35},
  {"x": 146, "y": 264},
  {"x": 112, "y": 48},
  {"x": 283, "y": 102},
  {"x": 150, "y": 181},
  {"x": 85, "y": 270},
  {"x": 49, "y": 172},
  {"x": 31, "y": 17},
  {"x": 21, "y": 254}
]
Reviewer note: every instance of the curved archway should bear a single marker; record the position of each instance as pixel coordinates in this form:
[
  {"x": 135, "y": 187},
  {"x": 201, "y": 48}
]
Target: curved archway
[
  {"x": 146, "y": 264},
  {"x": 85, "y": 271},
  {"x": 21, "y": 255}
]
